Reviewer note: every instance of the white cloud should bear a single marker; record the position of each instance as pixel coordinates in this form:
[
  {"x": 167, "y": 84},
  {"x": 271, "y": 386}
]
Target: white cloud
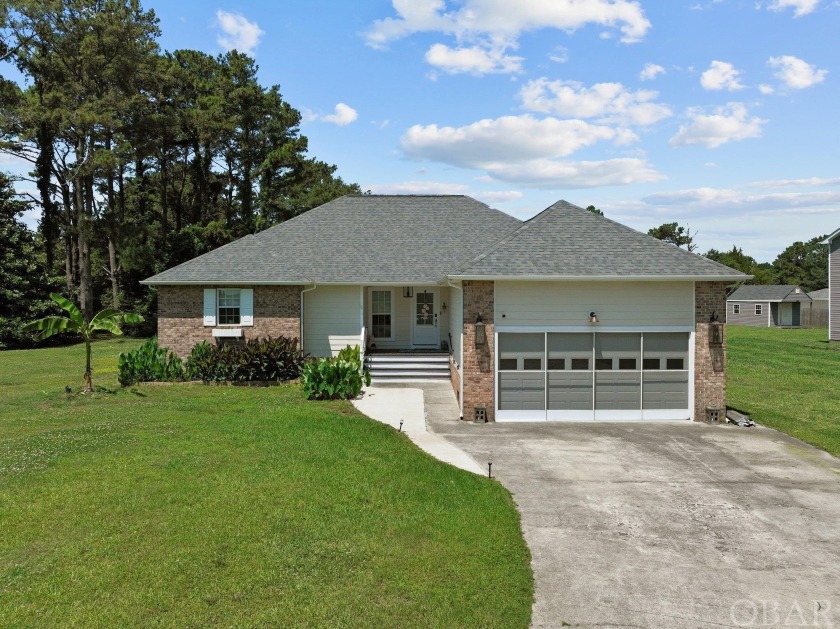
[
  {"x": 766, "y": 89},
  {"x": 784, "y": 183},
  {"x": 800, "y": 7},
  {"x": 343, "y": 115},
  {"x": 560, "y": 55},
  {"x": 607, "y": 102},
  {"x": 527, "y": 151},
  {"x": 796, "y": 73},
  {"x": 507, "y": 19},
  {"x": 721, "y": 76},
  {"x": 473, "y": 60},
  {"x": 237, "y": 32},
  {"x": 729, "y": 200},
  {"x": 506, "y": 139},
  {"x": 498, "y": 196},
  {"x": 549, "y": 173},
  {"x": 419, "y": 187},
  {"x": 726, "y": 124},
  {"x": 651, "y": 71}
]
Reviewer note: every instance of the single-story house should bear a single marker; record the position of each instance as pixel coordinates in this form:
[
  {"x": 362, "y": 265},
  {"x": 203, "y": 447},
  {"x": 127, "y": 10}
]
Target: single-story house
[
  {"x": 566, "y": 316},
  {"x": 819, "y": 308},
  {"x": 833, "y": 242},
  {"x": 767, "y": 306}
]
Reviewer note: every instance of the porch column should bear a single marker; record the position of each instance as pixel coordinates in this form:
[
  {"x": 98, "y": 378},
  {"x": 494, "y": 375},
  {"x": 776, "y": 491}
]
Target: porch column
[{"x": 479, "y": 385}]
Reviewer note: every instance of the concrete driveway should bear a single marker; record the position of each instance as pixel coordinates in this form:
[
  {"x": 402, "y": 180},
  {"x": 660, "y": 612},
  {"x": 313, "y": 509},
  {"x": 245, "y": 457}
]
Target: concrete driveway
[{"x": 670, "y": 525}]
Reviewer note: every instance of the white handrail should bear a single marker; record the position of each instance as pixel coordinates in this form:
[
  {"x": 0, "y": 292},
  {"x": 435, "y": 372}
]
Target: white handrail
[{"x": 363, "y": 346}]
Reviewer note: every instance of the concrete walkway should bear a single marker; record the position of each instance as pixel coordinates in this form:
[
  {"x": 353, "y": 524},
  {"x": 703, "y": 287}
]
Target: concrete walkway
[{"x": 411, "y": 404}]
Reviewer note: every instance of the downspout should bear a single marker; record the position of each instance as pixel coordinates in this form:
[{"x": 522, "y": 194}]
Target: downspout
[
  {"x": 305, "y": 290},
  {"x": 461, "y": 349}
]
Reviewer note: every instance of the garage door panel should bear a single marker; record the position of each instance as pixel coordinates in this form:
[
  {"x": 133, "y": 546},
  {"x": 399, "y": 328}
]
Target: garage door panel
[
  {"x": 665, "y": 390},
  {"x": 570, "y": 391},
  {"x": 521, "y": 391},
  {"x": 617, "y": 391}
]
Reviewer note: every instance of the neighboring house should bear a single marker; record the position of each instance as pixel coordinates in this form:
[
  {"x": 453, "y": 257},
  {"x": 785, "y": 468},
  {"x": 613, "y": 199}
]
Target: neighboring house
[
  {"x": 767, "y": 306},
  {"x": 566, "y": 316},
  {"x": 833, "y": 242},
  {"x": 819, "y": 308}
]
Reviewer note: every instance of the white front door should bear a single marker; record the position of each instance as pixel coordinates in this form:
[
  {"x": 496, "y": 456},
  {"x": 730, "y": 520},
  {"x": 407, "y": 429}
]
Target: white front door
[
  {"x": 786, "y": 313},
  {"x": 425, "y": 317}
]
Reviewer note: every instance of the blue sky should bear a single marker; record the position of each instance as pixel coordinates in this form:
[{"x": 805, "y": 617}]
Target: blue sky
[{"x": 719, "y": 114}]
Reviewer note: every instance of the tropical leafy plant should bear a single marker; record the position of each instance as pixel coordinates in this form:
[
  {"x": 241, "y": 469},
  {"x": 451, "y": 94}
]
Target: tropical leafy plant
[
  {"x": 269, "y": 359},
  {"x": 340, "y": 377},
  {"x": 149, "y": 363},
  {"x": 108, "y": 320}
]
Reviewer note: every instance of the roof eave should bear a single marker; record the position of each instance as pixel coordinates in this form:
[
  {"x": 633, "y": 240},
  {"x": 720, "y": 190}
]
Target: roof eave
[
  {"x": 607, "y": 278},
  {"x": 831, "y": 237}
]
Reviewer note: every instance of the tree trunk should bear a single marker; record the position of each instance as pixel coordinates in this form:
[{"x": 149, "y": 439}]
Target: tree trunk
[
  {"x": 87, "y": 380},
  {"x": 43, "y": 171},
  {"x": 81, "y": 204},
  {"x": 114, "y": 269}
]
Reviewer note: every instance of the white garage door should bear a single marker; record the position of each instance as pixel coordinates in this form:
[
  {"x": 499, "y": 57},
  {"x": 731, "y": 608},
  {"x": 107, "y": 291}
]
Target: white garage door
[{"x": 609, "y": 376}]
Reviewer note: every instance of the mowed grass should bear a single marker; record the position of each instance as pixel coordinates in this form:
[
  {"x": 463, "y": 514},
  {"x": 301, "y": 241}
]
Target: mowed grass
[
  {"x": 788, "y": 380},
  {"x": 195, "y": 506}
]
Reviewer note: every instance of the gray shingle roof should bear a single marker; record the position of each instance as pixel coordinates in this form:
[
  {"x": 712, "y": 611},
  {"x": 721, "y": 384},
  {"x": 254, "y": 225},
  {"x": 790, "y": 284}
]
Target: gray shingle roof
[
  {"x": 819, "y": 295},
  {"x": 760, "y": 292},
  {"x": 399, "y": 239},
  {"x": 568, "y": 241}
]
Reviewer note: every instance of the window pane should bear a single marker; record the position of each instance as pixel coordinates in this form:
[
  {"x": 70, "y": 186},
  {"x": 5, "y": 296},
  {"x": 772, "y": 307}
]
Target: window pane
[
  {"x": 626, "y": 363},
  {"x": 228, "y": 306},
  {"x": 603, "y": 364},
  {"x": 650, "y": 363},
  {"x": 675, "y": 363},
  {"x": 532, "y": 364},
  {"x": 508, "y": 364},
  {"x": 580, "y": 364},
  {"x": 380, "y": 308},
  {"x": 556, "y": 363}
]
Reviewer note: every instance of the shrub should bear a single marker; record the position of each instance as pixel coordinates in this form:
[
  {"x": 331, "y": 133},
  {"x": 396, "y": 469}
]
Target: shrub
[
  {"x": 149, "y": 363},
  {"x": 336, "y": 378},
  {"x": 269, "y": 359}
]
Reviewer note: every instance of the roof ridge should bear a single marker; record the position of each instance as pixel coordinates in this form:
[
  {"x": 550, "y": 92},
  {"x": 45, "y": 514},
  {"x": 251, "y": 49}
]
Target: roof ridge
[{"x": 504, "y": 239}]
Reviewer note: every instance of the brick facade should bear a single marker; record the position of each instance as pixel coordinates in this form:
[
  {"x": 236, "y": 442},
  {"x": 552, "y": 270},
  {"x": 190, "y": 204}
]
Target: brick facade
[
  {"x": 709, "y": 361},
  {"x": 478, "y": 361},
  {"x": 181, "y": 315}
]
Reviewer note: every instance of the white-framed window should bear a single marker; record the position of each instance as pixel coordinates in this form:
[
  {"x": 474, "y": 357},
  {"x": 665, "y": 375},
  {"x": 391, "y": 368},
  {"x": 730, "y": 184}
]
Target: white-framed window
[
  {"x": 758, "y": 309},
  {"x": 736, "y": 309},
  {"x": 381, "y": 313},
  {"x": 228, "y": 307}
]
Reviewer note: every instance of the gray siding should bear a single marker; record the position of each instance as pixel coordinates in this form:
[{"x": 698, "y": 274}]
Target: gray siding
[
  {"x": 834, "y": 289},
  {"x": 747, "y": 316},
  {"x": 815, "y": 316}
]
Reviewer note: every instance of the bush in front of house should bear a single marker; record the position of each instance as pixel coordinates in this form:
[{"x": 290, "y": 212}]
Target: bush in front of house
[
  {"x": 149, "y": 363},
  {"x": 256, "y": 360},
  {"x": 337, "y": 378}
]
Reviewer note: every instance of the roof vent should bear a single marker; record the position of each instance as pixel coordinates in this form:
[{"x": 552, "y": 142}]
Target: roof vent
[{"x": 797, "y": 290}]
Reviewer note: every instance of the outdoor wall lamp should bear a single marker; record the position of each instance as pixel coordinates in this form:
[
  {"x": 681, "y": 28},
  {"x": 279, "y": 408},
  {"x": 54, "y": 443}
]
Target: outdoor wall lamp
[
  {"x": 715, "y": 330},
  {"x": 593, "y": 318},
  {"x": 408, "y": 291},
  {"x": 480, "y": 335}
]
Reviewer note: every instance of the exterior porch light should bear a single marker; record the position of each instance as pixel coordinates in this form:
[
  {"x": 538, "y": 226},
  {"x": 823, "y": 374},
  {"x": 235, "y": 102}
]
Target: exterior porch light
[
  {"x": 593, "y": 317},
  {"x": 408, "y": 291},
  {"x": 715, "y": 330},
  {"x": 480, "y": 334}
]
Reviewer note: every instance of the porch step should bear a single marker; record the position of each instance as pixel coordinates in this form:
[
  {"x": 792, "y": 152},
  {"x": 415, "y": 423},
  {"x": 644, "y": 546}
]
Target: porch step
[{"x": 395, "y": 367}]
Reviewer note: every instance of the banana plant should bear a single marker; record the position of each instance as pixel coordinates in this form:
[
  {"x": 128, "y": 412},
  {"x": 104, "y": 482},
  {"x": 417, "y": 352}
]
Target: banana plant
[{"x": 108, "y": 320}]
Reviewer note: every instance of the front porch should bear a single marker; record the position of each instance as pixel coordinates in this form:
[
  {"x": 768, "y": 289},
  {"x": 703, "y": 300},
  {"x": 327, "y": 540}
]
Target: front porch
[{"x": 407, "y": 318}]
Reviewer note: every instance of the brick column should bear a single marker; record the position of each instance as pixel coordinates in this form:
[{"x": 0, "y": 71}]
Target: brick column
[
  {"x": 709, "y": 362},
  {"x": 479, "y": 387}
]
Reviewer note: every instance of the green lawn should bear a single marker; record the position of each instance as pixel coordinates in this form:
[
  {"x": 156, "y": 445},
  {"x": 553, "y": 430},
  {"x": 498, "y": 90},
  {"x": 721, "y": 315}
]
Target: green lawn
[
  {"x": 195, "y": 505},
  {"x": 788, "y": 380}
]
